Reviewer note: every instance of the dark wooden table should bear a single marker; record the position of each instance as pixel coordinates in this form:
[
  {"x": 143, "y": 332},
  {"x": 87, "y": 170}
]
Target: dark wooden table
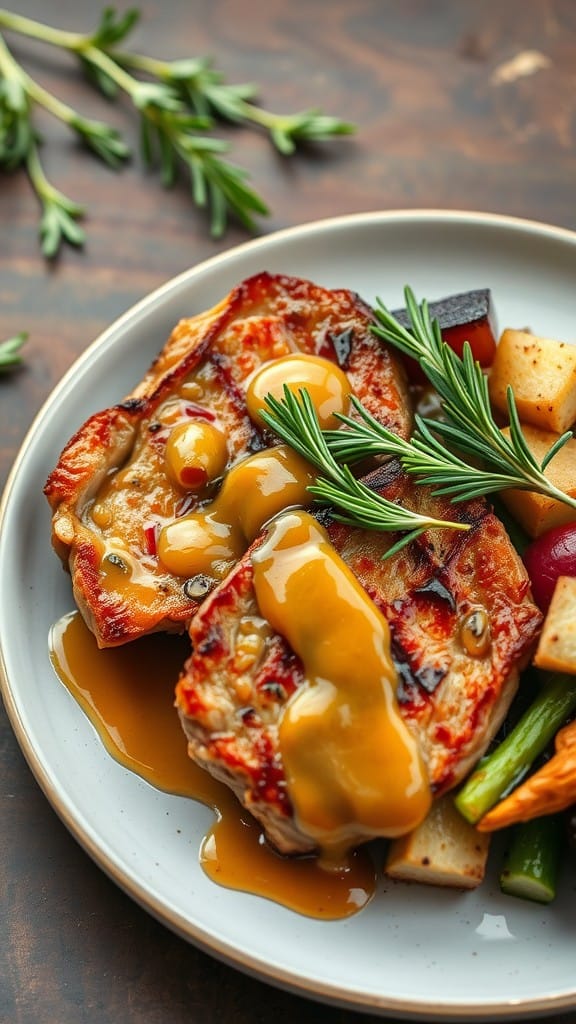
[{"x": 459, "y": 105}]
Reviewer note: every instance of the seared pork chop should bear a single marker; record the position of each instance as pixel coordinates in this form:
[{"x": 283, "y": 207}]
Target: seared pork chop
[
  {"x": 462, "y": 624},
  {"x": 110, "y": 492}
]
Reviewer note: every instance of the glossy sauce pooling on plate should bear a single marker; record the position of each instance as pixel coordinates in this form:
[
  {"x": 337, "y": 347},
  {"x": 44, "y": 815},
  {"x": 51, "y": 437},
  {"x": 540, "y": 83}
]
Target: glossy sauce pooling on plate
[
  {"x": 352, "y": 767},
  {"x": 110, "y": 685}
]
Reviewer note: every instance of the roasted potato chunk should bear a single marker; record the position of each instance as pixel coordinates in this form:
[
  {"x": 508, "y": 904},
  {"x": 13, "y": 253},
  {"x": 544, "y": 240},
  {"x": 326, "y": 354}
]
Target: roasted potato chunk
[
  {"x": 542, "y": 373},
  {"x": 538, "y": 513}
]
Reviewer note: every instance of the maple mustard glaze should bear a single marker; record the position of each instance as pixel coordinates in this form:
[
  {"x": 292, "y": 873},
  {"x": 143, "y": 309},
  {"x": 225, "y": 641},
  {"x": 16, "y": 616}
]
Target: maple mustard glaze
[
  {"x": 196, "y": 453},
  {"x": 254, "y": 490},
  {"x": 353, "y": 769},
  {"x": 128, "y": 694},
  {"x": 204, "y": 506},
  {"x": 258, "y": 487},
  {"x": 327, "y": 385}
]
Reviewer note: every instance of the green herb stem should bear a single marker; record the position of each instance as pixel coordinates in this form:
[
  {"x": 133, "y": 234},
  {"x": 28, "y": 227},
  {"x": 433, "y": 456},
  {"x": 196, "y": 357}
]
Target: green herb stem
[
  {"x": 59, "y": 213},
  {"x": 38, "y": 30}
]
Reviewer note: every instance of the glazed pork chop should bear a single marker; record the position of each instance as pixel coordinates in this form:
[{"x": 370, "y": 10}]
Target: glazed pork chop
[
  {"x": 462, "y": 624},
  {"x": 113, "y": 491}
]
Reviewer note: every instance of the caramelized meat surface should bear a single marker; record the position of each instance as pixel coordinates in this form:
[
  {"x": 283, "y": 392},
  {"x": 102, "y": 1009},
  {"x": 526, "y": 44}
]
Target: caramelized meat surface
[
  {"x": 110, "y": 492},
  {"x": 462, "y": 624}
]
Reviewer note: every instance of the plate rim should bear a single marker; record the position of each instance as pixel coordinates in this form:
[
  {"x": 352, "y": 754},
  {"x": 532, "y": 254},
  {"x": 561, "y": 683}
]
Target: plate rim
[{"x": 288, "y": 980}]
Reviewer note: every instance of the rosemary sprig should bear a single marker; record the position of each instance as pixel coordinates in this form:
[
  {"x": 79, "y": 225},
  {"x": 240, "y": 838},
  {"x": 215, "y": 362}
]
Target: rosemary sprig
[
  {"x": 424, "y": 455},
  {"x": 178, "y": 100},
  {"x": 20, "y": 92},
  {"x": 294, "y": 420},
  {"x": 19, "y": 147},
  {"x": 204, "y": 90},
  {"x": 469, "y": 426},
  {"x": 10, "y": 355}
]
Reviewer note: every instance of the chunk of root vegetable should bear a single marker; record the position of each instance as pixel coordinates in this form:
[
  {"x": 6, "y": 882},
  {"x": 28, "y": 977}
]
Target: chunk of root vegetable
[
  {"x": 542, "y": 374},
  {"x": 538, "y": 513},
  {"x": 444, "y": 850},
  {"x": 557, "y": 645},
  {"x": 551, "y": 789}
]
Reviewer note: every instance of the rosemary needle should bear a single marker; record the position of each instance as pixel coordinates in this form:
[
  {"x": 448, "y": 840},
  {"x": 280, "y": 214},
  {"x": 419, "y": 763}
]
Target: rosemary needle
[{"x": 293, "y": 418}]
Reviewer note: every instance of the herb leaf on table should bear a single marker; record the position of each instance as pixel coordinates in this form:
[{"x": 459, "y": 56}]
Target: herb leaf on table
[{"x": 10, "y": 355}]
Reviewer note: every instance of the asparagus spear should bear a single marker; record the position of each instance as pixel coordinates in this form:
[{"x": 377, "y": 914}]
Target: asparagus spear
[
  {"x": 508, "y": 763},
  {"x": 530, "y": 867}
]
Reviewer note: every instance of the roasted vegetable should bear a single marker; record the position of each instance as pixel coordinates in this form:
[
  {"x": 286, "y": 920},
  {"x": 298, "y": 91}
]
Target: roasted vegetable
[
  {"x": 468, "y": 316},
  {"x": 551, "y": 789},
  {"x": 542, "y": 374},
  {"x": 550, "y": 556},
  {"x": 443, "y": 850},
  {"x": 538, "y": 513},
  {"x": 557, "y": 645},
  {"x": 511, "y": 760},
  {"x": 530, "y": 868}
]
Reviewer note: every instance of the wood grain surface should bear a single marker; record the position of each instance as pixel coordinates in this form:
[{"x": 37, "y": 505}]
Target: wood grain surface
[{"x": 459, "y": 105}]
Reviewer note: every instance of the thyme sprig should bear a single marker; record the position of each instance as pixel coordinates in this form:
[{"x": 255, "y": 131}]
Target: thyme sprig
[
  {"x": 10, "y": 354},
  {"x": 469, "y": 426},
  {"x": 294, "y": 420},
  {"x": 177, "y": 102}
]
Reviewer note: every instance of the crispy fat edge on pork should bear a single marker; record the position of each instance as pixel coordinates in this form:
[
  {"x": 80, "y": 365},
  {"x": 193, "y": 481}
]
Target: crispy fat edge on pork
[
  {"x": 236, "y": 335},
  {"x": 233, "y": 688}
]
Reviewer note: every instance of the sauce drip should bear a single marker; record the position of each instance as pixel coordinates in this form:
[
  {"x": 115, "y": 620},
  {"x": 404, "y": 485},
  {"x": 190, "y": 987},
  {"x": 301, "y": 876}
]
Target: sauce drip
[
  {"x": 111, "y": 685},
  {"x": 353, "y": 769}
]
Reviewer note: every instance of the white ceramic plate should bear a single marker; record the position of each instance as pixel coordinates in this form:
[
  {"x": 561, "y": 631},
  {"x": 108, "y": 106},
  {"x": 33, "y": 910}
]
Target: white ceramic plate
[{"x": 414, "y": 952}]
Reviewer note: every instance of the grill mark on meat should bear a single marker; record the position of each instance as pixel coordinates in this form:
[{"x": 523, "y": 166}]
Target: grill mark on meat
[
  {"x": 132, "y": 404},
  {"x": 342, "y": 346},
  {"x": 237, "y": 398},
  {"x": 436, "y": 588},
  {"x": 412, "y": 681}
]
